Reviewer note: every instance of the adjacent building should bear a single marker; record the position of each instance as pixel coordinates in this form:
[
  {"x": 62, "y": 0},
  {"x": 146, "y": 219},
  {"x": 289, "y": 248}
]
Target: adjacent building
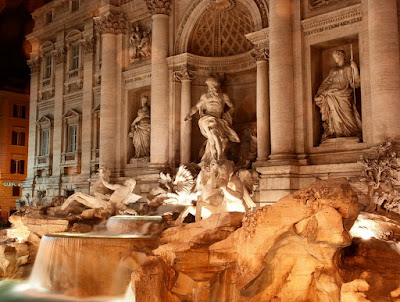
[
  {"x": 92, "y": 62},
  {"x": 14, "y": 131}
]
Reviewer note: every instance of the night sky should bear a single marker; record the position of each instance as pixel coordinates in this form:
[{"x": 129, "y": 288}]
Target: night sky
[{"x": 15, "y": 23}]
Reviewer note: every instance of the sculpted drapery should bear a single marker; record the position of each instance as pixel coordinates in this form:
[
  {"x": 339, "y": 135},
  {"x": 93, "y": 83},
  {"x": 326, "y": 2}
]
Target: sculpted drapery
[
  {"x": 335, "y": 98},
  {"x": 140, "y": 130}
]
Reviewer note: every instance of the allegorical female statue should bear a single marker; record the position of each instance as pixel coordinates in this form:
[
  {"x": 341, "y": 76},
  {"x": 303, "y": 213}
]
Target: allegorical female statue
[
  {"x": 335, "y": 98},
  {"x": 140, "y": 130}
]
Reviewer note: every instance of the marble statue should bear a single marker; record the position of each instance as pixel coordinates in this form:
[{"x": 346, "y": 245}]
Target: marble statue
[
  {"x": 23, "y": 201},
  {"x": 335, "y": 98},
  {"x": 178, "y": 190},
  {"x": 140, "y": 43},
  {"x": 220, "y": 190},
  {"x": 140, "y": 130},
  {"x": 100, "y": 196},
  {"x": 215, "y": 124},
  {"x": 114, "y": 203},
  {"x": 121, "y": 197}
]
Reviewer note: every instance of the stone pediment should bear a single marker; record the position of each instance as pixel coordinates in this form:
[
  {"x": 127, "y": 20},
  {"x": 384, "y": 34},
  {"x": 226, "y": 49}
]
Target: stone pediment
[
  {"x": 71, "y": 113},
  {"x": 44, "y": 120}
]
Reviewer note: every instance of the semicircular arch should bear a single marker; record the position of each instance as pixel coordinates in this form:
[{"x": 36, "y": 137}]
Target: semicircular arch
[{"x": 257, "y": 8}]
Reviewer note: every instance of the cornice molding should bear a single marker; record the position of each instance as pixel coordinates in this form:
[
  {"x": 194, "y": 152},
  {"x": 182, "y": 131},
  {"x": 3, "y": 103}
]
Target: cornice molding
[
  {"x": 207, "y": 65},
  {"x": 332, "y": 20}
]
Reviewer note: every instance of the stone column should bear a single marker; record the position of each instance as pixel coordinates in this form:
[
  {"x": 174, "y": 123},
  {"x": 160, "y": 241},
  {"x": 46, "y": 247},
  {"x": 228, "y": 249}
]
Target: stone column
[
  {"x": 110, "y": 25},
  {"x": 159, "y": 81},
  {"x": 87, "y": 104},
  {"x": 263, "y": 136},
  {"x": 281, "y": 80},
  {"x": 33, "y": 116},
  {"x": 384, "y": 69},
  {"x": 186, "y": 127},
  {"x": 59, "y": 59}
]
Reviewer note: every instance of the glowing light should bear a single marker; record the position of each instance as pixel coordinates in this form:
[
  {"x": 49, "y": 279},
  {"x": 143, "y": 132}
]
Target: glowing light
[
  {"x": 18, "y": 230},
  {"x": 362, "y": 233},
  {"x": 362, "y": 228}
]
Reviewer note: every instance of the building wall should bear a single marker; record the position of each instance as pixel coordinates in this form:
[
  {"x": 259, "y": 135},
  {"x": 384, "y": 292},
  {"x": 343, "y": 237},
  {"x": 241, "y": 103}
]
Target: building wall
[
  {"x": 78, "y": 96},
  {"x": 8, "y": 151}
]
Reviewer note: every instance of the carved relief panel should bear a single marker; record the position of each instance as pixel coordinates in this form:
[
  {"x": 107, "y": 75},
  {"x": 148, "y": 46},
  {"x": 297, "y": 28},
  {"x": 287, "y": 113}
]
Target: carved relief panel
[{"x": 139, "y": 41}]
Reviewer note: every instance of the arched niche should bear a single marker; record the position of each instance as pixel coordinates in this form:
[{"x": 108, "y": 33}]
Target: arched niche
[{"x": 258, "y": 9}]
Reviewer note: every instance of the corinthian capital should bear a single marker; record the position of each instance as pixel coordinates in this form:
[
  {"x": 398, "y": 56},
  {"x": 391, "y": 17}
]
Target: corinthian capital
[
  {"x": 159, "y": 6},
  {"x": 34, "y": 65},
  {"x": 260, "y": 54},
  {"x": 111, "y": 23}
]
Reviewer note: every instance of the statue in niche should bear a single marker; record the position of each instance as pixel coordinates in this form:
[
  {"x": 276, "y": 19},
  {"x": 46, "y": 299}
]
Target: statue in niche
[
  {"x": 139, "y": 43},
  {"x": 214, "y": 123},
  {"x": 140, "y": 130},
  {"x": 335, "y": 98}
]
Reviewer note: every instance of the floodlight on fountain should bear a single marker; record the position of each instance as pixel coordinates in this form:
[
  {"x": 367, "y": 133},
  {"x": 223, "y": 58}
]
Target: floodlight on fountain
[{"x": 362, "y": 229}]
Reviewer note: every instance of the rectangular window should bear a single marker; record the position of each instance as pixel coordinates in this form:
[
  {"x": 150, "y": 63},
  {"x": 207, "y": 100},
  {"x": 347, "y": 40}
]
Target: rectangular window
[
  {"x": 17, "y": 166},
  {"x": 16, "y": 190},
  {"x": 18, "y": 138},
  {"x": 74, "y": 5},
  {"x": 72, "y": 138},
  {"x": 75, "y": 57},
  {"x": 48, "y": 67},
  {"x": 45, "y": 142},
  {"x": 19, "y": 111}
]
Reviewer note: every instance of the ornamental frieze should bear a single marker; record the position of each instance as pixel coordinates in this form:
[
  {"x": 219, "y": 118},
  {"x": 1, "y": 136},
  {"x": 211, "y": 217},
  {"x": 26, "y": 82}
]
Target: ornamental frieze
[
  {"x": 159, "y": 6},
  {"x": 111, "y": 23}
]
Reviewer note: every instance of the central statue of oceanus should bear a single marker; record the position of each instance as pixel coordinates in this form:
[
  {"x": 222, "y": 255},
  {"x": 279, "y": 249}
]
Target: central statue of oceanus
[{"x": 214, "y": 123}]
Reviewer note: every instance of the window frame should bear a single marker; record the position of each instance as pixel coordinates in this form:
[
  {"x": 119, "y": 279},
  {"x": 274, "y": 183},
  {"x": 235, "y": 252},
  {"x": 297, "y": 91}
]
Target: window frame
[
  {"x": 17, "y": 166},
  {"x": 75, "y": 56},
  {"x": 19, "y": 137},
  {"x": 19, "y": 111}
]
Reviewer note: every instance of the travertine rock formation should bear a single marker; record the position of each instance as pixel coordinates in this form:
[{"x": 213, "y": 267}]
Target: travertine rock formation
[{"x": 286, "y": 252}]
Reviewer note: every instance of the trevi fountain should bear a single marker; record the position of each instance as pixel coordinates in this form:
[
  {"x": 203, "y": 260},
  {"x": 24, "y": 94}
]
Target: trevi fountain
[{"x": 250, "y": 157}]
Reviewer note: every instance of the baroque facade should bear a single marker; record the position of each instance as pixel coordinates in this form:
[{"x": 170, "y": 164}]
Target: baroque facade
[{"x": 93, "y": 63}]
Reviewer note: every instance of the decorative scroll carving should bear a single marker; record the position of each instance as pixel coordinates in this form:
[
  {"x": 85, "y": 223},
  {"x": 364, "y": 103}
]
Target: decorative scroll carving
[
  {"x": 346, "y": 16},
  {"x": 88, "y": 45},
  {"x": 159, "y": 6},
  {"x": 184, "y": 75},
  {"x": 260, "y": 54},
  {"x": 381, "y": 174},
  {"x": 59, "y": 55},
  {"x": 111, "y": 23},
  {"x": 139, "y": 43},
  {"x": 34, "y": 65}
]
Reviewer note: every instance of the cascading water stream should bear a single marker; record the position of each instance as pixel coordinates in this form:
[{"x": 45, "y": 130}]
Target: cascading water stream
[{"x": 94, "y": 264}]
